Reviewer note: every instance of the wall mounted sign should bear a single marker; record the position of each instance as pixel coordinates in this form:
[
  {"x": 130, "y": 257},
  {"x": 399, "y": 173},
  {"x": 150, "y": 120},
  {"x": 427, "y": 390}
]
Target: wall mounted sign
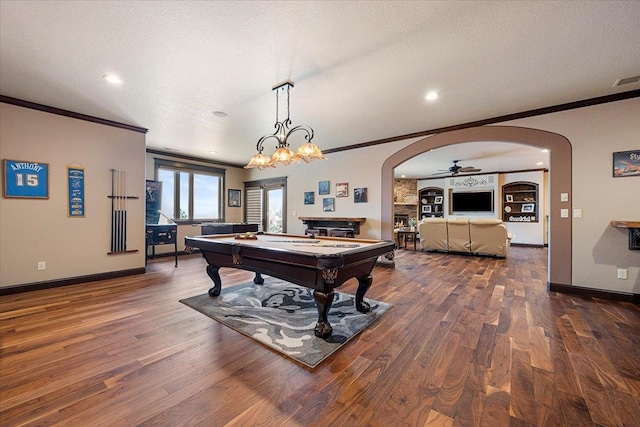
[
  {"x": 626, "y": 163},
  {"x": 25, "y": 179},
  {"x": 75, "y": 177}
]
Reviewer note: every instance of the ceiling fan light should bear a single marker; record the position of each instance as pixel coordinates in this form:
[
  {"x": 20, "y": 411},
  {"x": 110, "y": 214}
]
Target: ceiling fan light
[
  {"x": 309, "y": 152},
  {"x": 260, "y": 161}
]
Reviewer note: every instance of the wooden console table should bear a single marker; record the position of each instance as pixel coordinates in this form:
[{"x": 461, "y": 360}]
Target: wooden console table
[
  {"x": 634, "y": 232},
  {"x": 333, "y": 222}
]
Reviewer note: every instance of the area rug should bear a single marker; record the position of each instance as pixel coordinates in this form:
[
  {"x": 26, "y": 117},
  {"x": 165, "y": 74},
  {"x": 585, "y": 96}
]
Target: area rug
[{"x": 282, "y": 316}]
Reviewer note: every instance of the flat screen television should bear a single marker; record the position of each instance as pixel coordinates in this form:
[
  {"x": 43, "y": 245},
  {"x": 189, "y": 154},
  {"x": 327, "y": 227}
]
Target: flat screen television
[{"x": 472, "y": 201}]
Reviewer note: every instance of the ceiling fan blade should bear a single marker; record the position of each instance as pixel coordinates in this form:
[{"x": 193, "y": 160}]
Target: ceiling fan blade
[{"x": 469, "y": 169}]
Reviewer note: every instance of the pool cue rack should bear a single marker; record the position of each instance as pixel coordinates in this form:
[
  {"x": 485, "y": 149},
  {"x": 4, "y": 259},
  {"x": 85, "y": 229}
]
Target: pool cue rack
[{"x": 119, "y": 200}]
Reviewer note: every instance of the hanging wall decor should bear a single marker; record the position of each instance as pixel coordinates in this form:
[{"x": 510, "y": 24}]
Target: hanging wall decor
[
  {"x": 25, "y": 179},
  {"x": 75, "y": 191},
  {"x": 342, "y": 189},
  {"x": 626, "y": 163},
  {"x": 360, "y": 195},
  {"x": 235, "y": 198}
]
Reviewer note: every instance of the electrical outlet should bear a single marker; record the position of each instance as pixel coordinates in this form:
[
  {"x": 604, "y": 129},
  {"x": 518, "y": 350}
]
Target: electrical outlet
[
  {"x": 42, "y": 265},
  {"x": 622, "y": 273}
]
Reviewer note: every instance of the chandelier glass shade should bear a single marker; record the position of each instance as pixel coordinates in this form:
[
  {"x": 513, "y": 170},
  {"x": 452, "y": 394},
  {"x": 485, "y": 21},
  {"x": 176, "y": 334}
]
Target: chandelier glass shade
[{"x": 283, "y": 154}]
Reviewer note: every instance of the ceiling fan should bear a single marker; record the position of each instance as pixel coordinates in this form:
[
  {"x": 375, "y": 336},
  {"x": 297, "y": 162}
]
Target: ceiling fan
[{"x": 456, "y": 169}]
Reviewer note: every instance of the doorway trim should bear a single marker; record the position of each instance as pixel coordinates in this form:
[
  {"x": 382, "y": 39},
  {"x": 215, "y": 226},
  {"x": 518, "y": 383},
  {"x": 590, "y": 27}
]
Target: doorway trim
[{"x": 560, "y": 161}]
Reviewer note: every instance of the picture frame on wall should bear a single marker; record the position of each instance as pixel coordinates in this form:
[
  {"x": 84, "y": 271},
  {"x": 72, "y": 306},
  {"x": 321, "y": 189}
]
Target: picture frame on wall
[
  {"x": 342, "y": 189},
  {"x": 309, "y": 198},
  {"x": 328, "y": 204},
  {"x": 426, "y": 209},
  {"x": 360, "y": 195},
  {"x": 509, "y": 198},
  {"x": 25, "y": 179},
  {"x": 626, "y": 163},
  {"x": 323, "y": 187},
  {"x": 529, "y": 207},
  {"x": 234, "y": 198}
]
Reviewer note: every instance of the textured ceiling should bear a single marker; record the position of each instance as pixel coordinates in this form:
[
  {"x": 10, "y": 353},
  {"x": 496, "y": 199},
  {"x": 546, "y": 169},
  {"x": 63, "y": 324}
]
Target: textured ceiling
[{"x": 361, "y": 69}]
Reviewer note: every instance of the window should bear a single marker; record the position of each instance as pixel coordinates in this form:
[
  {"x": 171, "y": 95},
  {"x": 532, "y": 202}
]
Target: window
[
  {"x": 266, "y": 204},
  {"x": 190, "y": 192}
]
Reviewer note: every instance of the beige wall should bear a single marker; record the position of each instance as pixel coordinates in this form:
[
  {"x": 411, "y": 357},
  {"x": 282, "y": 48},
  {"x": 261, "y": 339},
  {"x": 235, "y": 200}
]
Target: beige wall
[
  {"x": 598, "y": 250},
  {"x": 31, "y": 230},
  {"x": 358, "y": 168},
  {"x": 234, "y": 178},
  {"x": 595, "y": 133},
  {"x": 39, "y": 230}
]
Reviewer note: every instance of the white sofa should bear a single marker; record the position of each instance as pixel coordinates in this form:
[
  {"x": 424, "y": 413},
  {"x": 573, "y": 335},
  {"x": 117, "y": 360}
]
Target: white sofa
[{"x": 478, "y": 236}]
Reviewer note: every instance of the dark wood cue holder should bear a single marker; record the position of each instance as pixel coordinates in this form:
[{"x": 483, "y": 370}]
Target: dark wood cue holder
[{"x": 634, "y": 232}]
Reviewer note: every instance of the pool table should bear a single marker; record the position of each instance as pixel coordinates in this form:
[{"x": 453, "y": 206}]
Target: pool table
[{"x": 316, "y": 262}]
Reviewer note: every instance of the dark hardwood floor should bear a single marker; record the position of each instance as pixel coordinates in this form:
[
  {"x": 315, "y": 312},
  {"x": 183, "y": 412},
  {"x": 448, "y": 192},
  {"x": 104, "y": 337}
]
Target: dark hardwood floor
[{"x": 469, "y": 341}]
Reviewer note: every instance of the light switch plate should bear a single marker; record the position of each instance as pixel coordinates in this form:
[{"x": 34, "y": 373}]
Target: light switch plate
[
  {"x": 564, "y": 197},
  {"x": 564, "y": 213},
  {"x": 577, "y": 213}
]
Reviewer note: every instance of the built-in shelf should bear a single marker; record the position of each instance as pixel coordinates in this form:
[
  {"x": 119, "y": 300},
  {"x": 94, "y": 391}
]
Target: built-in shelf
[
  {"x": 520, "y": 202},
  {"x": 634, "y": 232},
  {"x": 431, "y": 202}
]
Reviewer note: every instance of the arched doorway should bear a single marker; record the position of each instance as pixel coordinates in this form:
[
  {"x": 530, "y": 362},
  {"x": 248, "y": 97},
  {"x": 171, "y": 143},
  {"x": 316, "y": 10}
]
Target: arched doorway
[{"x": 559, "y": 271}]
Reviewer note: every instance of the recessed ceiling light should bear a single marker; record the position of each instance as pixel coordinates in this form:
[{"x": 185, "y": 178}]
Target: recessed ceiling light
[
  {"x": 545, "y": 150},
  {"x": 213, "y": 152},
  {"x": 220, "y": 114},
  {"x": 432, "y": 95},
  {"x": 539, "y": 163},
  {"x": 113, "y": 79},
  {"x": 403, "y": 176}
]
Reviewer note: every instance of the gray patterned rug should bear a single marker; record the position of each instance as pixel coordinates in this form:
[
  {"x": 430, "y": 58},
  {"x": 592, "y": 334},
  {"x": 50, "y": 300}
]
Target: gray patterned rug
[{"x": 282, "y": 316}]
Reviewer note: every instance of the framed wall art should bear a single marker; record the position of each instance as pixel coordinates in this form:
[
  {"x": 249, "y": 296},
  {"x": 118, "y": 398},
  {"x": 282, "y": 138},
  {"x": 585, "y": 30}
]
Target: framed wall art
[
  {"x": 309, "y": 198},
  {"x": 234, "y": 198},
  {"x": 626, "y": 163},
  {"x": 342, "y": 189},
  {"x": 25, "y": 179},
  {"x": 328, "y": 204},
  {"x": 323, "y": 187},
  {"x": 360, "y": 195}
]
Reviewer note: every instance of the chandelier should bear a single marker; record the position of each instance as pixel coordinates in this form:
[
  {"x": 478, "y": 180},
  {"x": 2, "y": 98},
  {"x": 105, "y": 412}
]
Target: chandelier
[{"x": 283, "y": 154}]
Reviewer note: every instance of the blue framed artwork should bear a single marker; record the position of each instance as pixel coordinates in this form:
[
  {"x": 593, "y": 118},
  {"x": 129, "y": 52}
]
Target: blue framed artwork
[
  {"x": 25, "y": 179},
  {"x": 75, "y": 176},
  {"x": 309, "y": 198},
  {"x": 323, "y": 187},
  {"x": 328, "y": 204}
]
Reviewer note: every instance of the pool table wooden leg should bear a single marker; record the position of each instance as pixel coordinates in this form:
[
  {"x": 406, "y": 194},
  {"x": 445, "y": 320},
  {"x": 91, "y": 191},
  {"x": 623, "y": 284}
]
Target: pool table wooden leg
[
  {"x": 323, "y": 303},
  {"x": 364, "y": 283},
  {"x": 214, "y": 274},
  {"x": 258, "y": 280}
]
